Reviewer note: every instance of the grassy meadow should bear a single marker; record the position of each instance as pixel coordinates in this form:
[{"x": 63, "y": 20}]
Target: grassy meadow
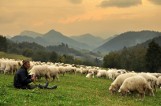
[
  {"x": 12, "y": 56},
  {"x": 73, "y": 90}
]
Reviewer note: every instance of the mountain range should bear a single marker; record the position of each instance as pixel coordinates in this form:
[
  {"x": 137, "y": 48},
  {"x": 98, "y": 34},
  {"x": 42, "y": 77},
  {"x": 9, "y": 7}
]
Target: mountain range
[
  {"x": 127, "y": 39},
  {"x": 146, "y": 44},
  {"x": 88, "y": 41},
  {"x": 31, "y": 34},
  {"x": 56, "y": 38}
]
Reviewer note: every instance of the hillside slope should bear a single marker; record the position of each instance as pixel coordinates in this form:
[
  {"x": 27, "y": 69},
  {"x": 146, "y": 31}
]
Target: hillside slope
[{"x": 127, "y": 39}]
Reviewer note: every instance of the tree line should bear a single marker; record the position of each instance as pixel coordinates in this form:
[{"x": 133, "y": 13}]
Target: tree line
[
  {"x": 44, "y": 54},
  {"x": 3, "y": 43},
  {"x": 139, "y": 59}
]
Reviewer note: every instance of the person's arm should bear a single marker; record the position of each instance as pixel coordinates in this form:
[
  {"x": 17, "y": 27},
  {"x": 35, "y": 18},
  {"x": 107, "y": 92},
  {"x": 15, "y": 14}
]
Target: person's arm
[
  {"x": 24, "y": 78},
  {"x": 29, "y": 76}
]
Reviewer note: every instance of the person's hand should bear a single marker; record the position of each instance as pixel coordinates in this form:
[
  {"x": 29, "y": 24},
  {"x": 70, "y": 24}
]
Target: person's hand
[{"x": 33, "y": 77}]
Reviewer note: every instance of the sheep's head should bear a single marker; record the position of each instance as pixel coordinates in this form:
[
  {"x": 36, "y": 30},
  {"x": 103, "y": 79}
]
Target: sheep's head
[
  {"x": 112, "y": 89},
  {"x": 122, "y": 91}
]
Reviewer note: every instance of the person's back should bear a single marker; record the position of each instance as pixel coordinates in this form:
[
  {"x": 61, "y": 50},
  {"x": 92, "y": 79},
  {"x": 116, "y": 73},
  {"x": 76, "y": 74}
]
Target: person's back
[{"x": 22, "y": 78}]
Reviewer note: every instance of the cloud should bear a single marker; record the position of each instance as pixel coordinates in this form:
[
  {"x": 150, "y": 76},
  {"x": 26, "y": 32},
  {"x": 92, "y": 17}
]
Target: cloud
[
  {"x": 76, "y": 1},
  {"x": 157, "y": 2},
  {"x": 120, "y": 3}
]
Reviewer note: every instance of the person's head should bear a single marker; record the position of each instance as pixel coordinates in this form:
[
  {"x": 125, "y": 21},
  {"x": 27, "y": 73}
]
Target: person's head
[{"x": 26, "y": 64}]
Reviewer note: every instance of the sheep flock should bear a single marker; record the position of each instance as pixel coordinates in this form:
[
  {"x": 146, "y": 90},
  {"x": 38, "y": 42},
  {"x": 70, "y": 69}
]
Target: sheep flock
[{"x": 123, "y": 81}]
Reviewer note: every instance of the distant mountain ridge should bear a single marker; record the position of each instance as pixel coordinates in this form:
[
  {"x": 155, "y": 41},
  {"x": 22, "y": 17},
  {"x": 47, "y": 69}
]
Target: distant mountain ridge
[
  {"x": 89, "y": 39},
  {"x": 86, "y": 41},
  {"x": 127, "y": 39},
  {"x": 146, "y": 44},
  {"x": 31, "y": 34},
  {"x": 50, "y": 38}
]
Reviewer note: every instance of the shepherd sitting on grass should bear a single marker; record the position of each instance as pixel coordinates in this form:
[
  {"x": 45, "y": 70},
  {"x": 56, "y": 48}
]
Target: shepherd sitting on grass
[{"x": 22, "y": 78}]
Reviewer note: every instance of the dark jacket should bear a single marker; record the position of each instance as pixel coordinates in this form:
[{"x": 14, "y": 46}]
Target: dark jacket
[{"x": 22, "y": 78}]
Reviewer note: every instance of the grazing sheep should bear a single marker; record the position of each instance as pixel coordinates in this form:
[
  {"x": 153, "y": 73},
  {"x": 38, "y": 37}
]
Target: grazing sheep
[
  {"x": 10, "y": 66},
  {"x": 3, "y": 66},
  {"x": 114, "y": 73},
  {"x": 156, "y": 74},
  {"x": 54, "y": 71},
  {"x": 84, "y": 70},
  {"x": 114, "y": 87},
  {"x": 135, "y": 83},
  {"x": 94, "y": 71},
  {"x": 40, "y": 71},
  {"x": 70, "y": 69},
  {"x": 90, "y": 75},
  {"x": 78, "y": 70},
  {"x": 152, "y": 80},
  {"x": 159, "y": 81},
  {"x": 62, "y": 70},
  {"x": 102, "y": 73}
]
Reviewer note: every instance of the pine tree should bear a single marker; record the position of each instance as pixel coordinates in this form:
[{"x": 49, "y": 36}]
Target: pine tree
[
  {"x": 3, "y": 43},
  {"x": 153, "y": 57}
]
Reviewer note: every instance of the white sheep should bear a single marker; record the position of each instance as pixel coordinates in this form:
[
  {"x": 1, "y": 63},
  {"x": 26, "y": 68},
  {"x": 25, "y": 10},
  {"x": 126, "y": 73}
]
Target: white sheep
[
  {"x": 40, "y": 71},
  {"x": 90, "y": 75},
  {"x": 135, "y": 83},
  {"x": 84, "y": 70},
  {"x": 93, "y": 70},
  {"x": 152, "y": 80},
  {"x": 78, "y": 70},
  {"x": 115, "y": 85},
  {"x": 102, "y": 73},
  {"x": 70, "y": 69},
  {"x": 159, "y": 81},
  {"x": 114, "y": 73},
  {"x": 62, "y": 70},
  {"x": 156, "y": 74},
  {"x": 8, "y": 67},
  {"x": 11, "y": 66},
  {"x": 3, "y": 65},
  {"x": 54, "y": 72}
]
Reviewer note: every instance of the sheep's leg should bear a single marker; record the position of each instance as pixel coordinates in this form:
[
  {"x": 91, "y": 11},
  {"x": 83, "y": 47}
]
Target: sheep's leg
[{"x": 57, "y": 77}]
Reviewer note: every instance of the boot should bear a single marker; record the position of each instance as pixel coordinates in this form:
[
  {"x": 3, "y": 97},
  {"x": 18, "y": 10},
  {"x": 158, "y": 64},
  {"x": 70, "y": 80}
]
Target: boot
[
  {"x": 43, "y": 87},
  {"x": 46, "y": 84},
  {"x": 53, "y": 87}
]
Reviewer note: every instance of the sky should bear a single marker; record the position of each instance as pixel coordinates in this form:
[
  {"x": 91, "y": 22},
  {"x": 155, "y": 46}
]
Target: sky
[{"x": 103, "y": 18}]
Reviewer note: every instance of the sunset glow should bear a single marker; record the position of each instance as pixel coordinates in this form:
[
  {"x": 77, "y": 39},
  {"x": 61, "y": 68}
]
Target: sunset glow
[{"x": 102, "y": 18}]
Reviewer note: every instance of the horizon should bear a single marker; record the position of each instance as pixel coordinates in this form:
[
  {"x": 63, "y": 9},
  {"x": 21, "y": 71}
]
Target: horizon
[
  {"x": 104, "y": 38},
  {"x": 105, "y": 18}
]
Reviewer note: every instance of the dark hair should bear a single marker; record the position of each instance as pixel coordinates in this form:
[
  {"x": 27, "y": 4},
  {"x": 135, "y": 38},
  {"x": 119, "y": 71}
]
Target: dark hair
[{"x": 25, "y": 61}]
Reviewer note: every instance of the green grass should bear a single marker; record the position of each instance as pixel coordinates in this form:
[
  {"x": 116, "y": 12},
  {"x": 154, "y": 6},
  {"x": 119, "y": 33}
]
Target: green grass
[
  {"x": 73, "y": 90},
  {"x": 12, "y": 56}
]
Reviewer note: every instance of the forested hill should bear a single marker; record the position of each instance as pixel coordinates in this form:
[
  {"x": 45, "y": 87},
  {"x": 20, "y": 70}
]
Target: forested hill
[
  {"x": 127, "y": 39},
  {"x": 142, "y": 57},
  {"x": 145, "y": 44},
  {"x": 60, "y": 53}
]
